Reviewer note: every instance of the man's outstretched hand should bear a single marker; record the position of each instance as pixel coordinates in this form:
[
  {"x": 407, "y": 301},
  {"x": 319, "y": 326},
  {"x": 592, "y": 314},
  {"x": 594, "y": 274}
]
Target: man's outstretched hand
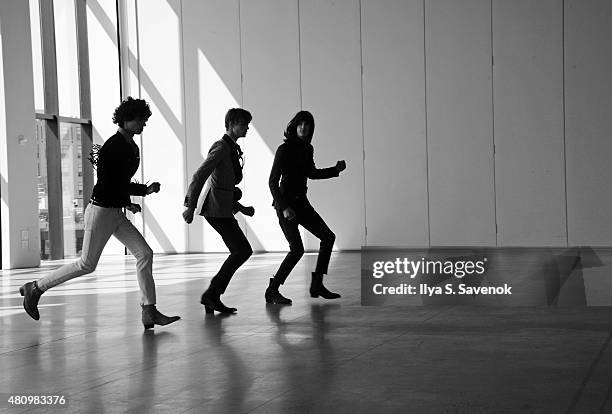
[
  {"x": 134, "y": 208},
  {"x": 248, "y": 211},
  {"x": 153, "y": 188},
  {"x": 188, "y": 215}
]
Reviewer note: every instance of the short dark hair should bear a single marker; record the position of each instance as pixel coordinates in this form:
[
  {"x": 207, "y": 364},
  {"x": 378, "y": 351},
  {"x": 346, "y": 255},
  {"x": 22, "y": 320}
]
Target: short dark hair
[
  {"x": 130, "y": 109},
  {"x": 235, "y": 115}
]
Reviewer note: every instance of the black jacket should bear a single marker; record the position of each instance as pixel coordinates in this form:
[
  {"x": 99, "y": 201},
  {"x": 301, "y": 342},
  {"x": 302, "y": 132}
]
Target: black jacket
[
  {"x": 117, "y": 162},
  {"x": 293, "y": 165}
]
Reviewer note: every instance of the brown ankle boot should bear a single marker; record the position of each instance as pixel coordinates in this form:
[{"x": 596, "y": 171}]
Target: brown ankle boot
[
  {"x": 31, "y": 294},
  {"x": 151, "y": 316}
]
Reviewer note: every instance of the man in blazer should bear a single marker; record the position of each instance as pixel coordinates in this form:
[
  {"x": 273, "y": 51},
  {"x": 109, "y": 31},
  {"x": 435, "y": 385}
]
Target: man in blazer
[{"x": 224, "y": 167}]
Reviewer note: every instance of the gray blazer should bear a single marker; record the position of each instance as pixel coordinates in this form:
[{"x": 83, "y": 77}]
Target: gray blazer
[{"x": 219, "y": 200}]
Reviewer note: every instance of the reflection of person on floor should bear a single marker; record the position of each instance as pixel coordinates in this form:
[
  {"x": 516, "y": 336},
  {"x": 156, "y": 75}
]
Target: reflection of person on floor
[
  {"x": 293, "y": 165},
  {"x": 224, "y": 167},
  {"x": 309, "y": 367},
  {"x": 231, "y": 376},
  {"x": 143, "y": 386},
  {"x": 116, "y": 162}
]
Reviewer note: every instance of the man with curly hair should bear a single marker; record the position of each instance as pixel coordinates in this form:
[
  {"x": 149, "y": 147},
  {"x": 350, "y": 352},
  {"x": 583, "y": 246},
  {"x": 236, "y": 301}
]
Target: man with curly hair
[{"x": 116, "y": 162}]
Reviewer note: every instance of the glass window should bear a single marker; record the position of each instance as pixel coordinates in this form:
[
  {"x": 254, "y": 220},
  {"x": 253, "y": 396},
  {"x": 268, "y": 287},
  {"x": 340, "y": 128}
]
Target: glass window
[
  {"x": 67, "y": 58},
  {"x": 72, "y": 188},
  {"x": 43, "y": 199},
  {"x": 65, "y": 159},
  {"x": 39, "y": 94}
]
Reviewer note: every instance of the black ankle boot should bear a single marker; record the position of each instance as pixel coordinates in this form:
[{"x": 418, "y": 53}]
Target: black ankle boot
[
  {"x": 31, "y": 294},
  {"x": 274, "y": 296},
  {"x": 151, "y": 316},
  {"x": 317, "y": 289},
  {"x": 212, "y": 302}
]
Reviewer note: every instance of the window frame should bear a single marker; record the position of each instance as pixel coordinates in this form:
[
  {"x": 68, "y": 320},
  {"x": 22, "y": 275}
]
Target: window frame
[{"x": 52, "y": 119}]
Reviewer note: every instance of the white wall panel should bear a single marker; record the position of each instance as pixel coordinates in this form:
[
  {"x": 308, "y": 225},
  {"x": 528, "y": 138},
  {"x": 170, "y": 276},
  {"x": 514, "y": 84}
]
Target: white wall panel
[
  {"x": 528, "y": 118},
  {"x": 18, "y": 177},
  {"x": 588, "y": 120},
  {"x": 459, "y": 119},
  {"x": 394, "y": 122},
  {"x": 102, "y": 37},
  {"x": 131, "y": 84},
  {"x": 211, "y": 53},
  {"x": 271, "y": 90},
  {"x": 104, "y": 79},
  {"x": 308, "y": 54},
  {"x": 162, "y": 142},
  {"x": 331, "y": 90}
]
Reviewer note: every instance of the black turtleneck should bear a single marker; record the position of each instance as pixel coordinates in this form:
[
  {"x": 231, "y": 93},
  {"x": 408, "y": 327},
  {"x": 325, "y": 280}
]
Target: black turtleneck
[
  {"x": 118, "y": 161},
  {"x": 293, "y": 165}
]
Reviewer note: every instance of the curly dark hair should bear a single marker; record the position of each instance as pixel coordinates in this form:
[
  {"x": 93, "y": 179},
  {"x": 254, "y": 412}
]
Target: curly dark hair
[{"x": 130, "y": 109}]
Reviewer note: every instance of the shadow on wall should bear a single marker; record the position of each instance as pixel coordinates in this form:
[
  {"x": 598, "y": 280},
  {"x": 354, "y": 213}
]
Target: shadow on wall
[
  {"x": 3, "y": 197},
  {"x": 3, "y": 188},
  {"x": 222, "y": 92}
]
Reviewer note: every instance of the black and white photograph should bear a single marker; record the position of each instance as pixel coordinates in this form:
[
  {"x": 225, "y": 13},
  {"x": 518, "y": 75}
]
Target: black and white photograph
[{"x": 306, "y": 206}]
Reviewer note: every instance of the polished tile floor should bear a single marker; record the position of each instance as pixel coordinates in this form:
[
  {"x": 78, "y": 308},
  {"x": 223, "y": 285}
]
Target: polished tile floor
[{"x": 316, "y": 356}]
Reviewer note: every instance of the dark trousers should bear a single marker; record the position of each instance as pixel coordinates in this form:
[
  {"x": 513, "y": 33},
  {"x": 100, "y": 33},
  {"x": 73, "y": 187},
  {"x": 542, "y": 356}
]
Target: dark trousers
[
  {"x": 311, "y": 221},
  {"x": 238, "y": 245}
]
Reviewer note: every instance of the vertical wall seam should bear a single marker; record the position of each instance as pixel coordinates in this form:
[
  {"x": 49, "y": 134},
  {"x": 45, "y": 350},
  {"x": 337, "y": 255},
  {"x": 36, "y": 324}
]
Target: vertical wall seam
[
  {"x": 118, "y": 21},
  {"x": 493, "y": 134},
  {"x": 564, "y": 121},
  {"x": 137, "y": 48},
  {"x": 245, "y": 227},
  {"x": 299, "y": 27},
  {"x": 142, "y": 158},
  {"x": 426, "y": 126},
  {"x": 184, "y": 110},
  {"x": 240, "y": 47},
  {"x": 365, "y": 204}
]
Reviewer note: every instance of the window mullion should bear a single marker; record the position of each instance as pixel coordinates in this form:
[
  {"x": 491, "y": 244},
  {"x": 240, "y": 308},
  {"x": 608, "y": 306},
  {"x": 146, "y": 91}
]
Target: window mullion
[
  {"x": 85, "y": 95},
  {"x": 53, "y": 146}
]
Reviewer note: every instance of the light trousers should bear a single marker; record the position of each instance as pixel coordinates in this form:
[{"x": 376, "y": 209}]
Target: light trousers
[{"x": 100, "y": 224}]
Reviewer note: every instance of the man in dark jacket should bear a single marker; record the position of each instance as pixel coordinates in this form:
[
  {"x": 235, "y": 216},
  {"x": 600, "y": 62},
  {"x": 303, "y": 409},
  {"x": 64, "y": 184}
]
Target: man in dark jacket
[
  {"x": 224, "y": 167},
  {"x": 293, "y": 165},
  {"x": 117, "y": 161}
]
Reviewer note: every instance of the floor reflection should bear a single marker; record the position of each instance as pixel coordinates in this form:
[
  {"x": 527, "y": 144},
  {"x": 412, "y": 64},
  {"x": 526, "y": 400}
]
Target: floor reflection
[
  {"x": 228, "y": 378},
  {"x": 145, "y": 382},
  {"x": 308, "y": 360},
  {"x": 317, "y": 355}
]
